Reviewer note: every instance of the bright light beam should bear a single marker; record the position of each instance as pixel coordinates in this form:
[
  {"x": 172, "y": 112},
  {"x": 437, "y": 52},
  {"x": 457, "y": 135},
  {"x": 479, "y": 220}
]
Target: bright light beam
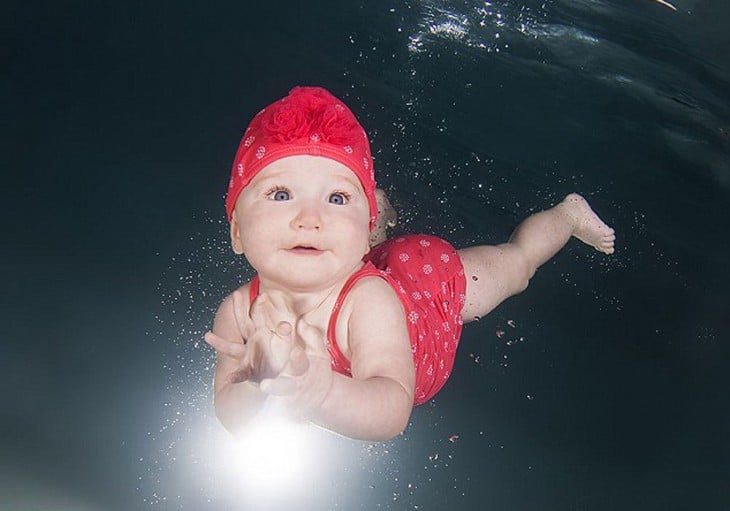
[
  {"x": 274, "y": 454},
  {"x": 274, "y": 457}
]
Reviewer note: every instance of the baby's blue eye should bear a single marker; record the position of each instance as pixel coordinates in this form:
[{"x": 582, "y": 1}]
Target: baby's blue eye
[
  {"x": 338, "y": 198},
  {"x": 280, "y": 195}
]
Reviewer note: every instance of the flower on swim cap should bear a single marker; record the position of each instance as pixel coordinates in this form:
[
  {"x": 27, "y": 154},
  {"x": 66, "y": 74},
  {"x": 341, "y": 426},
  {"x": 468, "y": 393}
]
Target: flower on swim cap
[{"x": 309, "y": 121}]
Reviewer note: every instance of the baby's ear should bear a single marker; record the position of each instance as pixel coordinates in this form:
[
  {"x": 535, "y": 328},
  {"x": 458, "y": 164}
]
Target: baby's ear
[{"x": 236, "y": 243}]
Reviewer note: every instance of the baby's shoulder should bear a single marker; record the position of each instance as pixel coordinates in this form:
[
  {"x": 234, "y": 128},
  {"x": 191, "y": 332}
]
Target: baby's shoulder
[
  {"x": 373, "y": 283},
  {"x": 371, "y": 310},
  {"x": 371, "y": 294}
]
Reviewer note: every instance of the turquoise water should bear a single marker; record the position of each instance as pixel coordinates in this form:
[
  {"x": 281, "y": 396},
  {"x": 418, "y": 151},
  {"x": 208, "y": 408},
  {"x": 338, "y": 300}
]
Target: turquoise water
[{"x": 603, "y": 386}]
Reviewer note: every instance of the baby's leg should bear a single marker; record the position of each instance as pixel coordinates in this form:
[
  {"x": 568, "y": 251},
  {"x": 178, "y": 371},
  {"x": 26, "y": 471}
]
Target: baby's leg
[
  {"x": 494, "y": 273},
  {"x": 387, "y": 217}
]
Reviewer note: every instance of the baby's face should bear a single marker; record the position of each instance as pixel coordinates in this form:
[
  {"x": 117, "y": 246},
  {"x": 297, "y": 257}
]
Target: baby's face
[{"x": 302, "y": 222}]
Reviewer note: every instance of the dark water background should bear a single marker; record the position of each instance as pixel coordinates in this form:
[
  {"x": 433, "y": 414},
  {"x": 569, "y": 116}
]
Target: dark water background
[{"x": 119, "y": 124}]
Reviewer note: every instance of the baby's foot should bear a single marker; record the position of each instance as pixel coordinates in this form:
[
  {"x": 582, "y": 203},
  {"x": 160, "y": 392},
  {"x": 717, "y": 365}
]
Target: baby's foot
[
  {"x": 387, "y": 217},
  {"x": 590, "y": 229}
]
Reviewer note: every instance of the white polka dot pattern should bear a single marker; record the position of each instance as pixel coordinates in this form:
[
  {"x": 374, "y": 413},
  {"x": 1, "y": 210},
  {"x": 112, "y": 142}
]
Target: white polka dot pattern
[{"x": 428, "y": 275}]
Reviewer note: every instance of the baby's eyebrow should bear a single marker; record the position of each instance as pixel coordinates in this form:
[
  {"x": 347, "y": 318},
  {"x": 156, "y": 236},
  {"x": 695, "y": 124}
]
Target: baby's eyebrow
[
  {"x": 344, "y": 184},
  {"x": 266, "y": 181},
  {"x": 353, "y": 183}
]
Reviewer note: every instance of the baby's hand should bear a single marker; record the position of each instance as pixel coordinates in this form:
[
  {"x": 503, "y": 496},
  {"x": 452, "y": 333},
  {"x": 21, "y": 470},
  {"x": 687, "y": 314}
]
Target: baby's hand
[
  {"x": 271, "y": 338},
  {"x": 307, "y": 379},
  {"x": 266, "y": 338}
]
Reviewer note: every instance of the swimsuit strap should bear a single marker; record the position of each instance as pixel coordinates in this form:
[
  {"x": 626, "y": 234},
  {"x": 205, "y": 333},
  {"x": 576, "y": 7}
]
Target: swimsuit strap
[
  {"x": 340, "y": 363},
  {"x": 253, "y": 289}
]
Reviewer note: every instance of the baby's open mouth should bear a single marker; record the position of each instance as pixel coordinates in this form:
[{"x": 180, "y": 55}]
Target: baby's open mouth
[{"x": 305, "y": 248}]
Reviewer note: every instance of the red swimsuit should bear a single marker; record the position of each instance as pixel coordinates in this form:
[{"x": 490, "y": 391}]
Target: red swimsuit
[{"x": 427, "y": 274}]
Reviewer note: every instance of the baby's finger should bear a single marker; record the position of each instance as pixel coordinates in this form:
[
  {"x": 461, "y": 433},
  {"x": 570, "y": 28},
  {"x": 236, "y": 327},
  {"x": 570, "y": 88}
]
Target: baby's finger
[
  {"x": 298, "y": 362},
  {"x": 280, "y": 345},
  {"x": 258, "y": 312},
  {"x": 283, "y": 329},
  {"x": 241, "y": 375},
  {"x": 232, "y": 349},
  {"x": 311, "y": 336},
  {"x": 273, "y": 311}
]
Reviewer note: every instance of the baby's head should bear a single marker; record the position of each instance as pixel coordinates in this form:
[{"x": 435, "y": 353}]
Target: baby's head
[{"x": 309, "y": 121}]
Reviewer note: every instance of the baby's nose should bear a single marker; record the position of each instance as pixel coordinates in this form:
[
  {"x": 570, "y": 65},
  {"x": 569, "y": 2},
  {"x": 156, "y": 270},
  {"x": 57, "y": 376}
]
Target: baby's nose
[{"x": 308, "y": 218}]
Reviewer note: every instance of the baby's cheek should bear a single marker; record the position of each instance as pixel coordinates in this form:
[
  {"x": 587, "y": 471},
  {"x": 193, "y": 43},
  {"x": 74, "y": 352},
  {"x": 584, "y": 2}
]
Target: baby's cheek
[
  {"x": 257, "y": 235},
  {"x": 364, "y": 244},
  {"x": 252, "y": 250}
]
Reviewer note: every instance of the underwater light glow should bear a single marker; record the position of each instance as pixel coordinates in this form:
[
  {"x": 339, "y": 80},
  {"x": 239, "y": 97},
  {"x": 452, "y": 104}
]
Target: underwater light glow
[{"x": 273, "y": 455}]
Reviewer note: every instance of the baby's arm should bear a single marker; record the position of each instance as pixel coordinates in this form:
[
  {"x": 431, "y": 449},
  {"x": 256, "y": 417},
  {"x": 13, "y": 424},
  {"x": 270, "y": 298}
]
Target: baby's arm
[
  {"x": 249, "y": 348},
  {"x": 375, "y": 404},
  {"x": 237, "y": 400}
]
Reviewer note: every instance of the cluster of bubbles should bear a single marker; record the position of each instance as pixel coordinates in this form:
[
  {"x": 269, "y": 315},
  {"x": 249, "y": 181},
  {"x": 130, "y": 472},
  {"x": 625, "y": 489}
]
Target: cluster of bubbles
[
  {"x": 194, "y": 283},
  {"x": 476, "y": 24}
]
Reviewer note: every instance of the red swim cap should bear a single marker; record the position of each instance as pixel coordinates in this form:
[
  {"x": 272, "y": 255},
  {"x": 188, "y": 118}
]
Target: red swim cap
[{"x": 308, "y": 121}]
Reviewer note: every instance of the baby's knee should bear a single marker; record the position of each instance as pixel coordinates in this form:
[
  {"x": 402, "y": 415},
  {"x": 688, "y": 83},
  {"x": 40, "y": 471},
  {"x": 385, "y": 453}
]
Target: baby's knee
[{"x": 523, "y": 269}]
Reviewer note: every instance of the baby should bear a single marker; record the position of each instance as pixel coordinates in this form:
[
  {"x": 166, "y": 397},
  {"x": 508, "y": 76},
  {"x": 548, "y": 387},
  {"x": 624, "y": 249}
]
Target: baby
[{"x": 335, "y": 331}]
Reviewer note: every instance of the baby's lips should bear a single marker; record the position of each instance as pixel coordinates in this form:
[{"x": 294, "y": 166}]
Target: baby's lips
[
  {"x": 305, "y": 245},
  {"x": 304, "y": 248}
]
